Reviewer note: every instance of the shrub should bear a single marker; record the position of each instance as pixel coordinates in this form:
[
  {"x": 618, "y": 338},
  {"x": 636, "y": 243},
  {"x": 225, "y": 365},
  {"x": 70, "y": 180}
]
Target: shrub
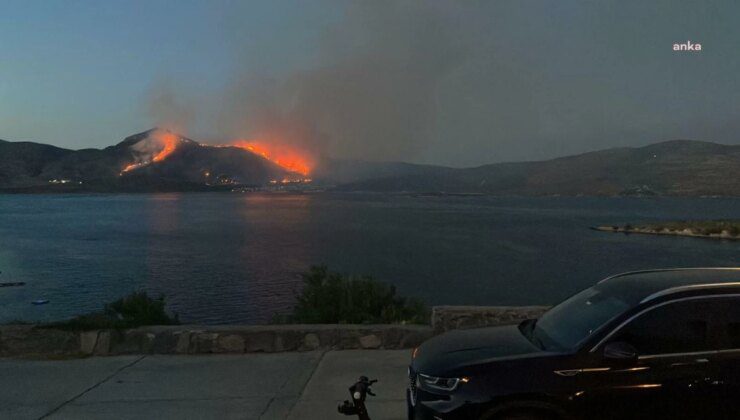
[
  {"x": 333, "y": 298},
  {"x": 734, "y": 230},
  {"x": 134, "y": 310},
  {"x": 703, "y": 227}
]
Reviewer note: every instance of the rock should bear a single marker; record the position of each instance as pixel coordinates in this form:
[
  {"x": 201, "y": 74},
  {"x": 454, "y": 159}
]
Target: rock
[
  {"x": 286, "y": 340},
  {"x": 371, "y": 341},
  {"x": 205, "y": 342},
  {"x": 129, "y": 342},
  {"x": 260, "y": 341},
  {"x": 392, "y": 337},
  {"x": 163, "y": 342},
  {"x": 88, "y": 339},
  {"x": 328, "y": 338},
  {"x": 183, "y": 343},
  {"x": 102, "y": 347},
  {"x": 348, "y": 339},
  {"x": 230, "y": 344},
  {"x": 311, "y": 341}
]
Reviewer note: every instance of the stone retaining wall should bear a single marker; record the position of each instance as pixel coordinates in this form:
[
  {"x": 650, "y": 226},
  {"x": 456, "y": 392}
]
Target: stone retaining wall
[
  {"x": 445, "y": 318},
  {"x": 29, "y": 340},
  {"x": 35, "y": 341}
]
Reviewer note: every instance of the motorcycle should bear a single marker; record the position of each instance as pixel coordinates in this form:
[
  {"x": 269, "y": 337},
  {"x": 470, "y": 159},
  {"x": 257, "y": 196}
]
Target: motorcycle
[{"x": 359, "y": 392}]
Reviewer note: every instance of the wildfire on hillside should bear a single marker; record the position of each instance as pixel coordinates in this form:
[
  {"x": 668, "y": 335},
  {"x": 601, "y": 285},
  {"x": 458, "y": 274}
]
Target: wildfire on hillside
[
  {"x": 289, "y": 158},
  {"x": 165, "y": 141},
  {"x": 161, "y": 144},
  {"x": 170, "y": 143}
]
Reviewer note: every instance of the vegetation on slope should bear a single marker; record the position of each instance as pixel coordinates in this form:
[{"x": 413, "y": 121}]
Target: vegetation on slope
[
  {"x": 333, "y": 298},
  {"x": 134, "y": 310}
]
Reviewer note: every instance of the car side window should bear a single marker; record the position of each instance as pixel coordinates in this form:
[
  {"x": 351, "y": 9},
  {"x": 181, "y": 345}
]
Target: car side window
[
  {"x": 730, "y": 325},
  {"x": 678, "y": 327},
  {"x": 733, "y": 332}
]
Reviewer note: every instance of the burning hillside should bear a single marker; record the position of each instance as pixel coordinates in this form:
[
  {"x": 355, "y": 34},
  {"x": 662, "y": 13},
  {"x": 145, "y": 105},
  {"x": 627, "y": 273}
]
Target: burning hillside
[
  {"x": 169, "y": 162},
  {"x": 156, "y": 147},
  {"x": 290, "y": 158},
  {"x": 160, "y": 144}
]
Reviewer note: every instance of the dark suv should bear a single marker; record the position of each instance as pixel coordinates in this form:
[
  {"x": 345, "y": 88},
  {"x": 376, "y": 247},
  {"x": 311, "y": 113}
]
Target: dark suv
[{"x": 649, "y": 344}]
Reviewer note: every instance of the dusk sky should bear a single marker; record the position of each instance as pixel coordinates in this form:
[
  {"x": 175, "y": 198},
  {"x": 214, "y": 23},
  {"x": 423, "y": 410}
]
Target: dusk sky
[{"x": 453, "y": 83}]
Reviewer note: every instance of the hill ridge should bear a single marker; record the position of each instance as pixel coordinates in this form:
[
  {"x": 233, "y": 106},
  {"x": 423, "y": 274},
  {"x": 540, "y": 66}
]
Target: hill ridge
[{"x": 680, "y": 167}]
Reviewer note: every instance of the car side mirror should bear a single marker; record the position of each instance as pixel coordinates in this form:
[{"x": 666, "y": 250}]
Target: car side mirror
[{"x": 620, "y": 351}]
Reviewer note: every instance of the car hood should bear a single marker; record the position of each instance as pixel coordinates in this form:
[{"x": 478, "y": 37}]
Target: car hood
[{"x": 460, "y": 348}]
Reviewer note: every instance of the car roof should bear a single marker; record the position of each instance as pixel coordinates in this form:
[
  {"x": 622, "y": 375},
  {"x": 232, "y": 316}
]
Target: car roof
[{"x": 642, "y": 286}]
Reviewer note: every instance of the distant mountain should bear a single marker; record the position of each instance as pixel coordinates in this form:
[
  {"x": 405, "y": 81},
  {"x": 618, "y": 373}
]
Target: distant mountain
[
  {"x": 159, "y": 160},
  {"x": 346, "y": 171},
  {"x": 33, "y": 167},
  {"x": 678, "y": 167},
  {"x": 21, "y": 162}
]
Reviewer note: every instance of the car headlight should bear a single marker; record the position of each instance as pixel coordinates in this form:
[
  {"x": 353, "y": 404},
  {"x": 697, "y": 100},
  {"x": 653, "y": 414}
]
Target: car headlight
[{"x": 442, "y": 384}]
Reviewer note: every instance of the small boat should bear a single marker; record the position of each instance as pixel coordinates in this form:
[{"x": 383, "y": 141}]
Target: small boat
[{"x": 40, "y": 302}]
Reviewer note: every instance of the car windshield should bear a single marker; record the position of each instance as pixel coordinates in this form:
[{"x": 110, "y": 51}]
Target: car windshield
[{"x": 575, "y": 319}]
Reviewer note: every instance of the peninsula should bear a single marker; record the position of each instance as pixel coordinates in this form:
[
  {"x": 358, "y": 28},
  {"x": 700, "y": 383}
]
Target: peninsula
[{"x": 715, "y": 229}]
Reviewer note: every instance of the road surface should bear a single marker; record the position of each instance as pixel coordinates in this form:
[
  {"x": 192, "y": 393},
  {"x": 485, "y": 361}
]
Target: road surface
[{"x": 249, "y": 386}]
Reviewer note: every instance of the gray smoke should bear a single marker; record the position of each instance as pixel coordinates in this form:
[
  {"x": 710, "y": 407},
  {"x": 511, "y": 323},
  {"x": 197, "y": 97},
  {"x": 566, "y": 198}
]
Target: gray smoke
[
  {"x": 169, "y": 108},
  {"x": 373, "y": 94},
  {"x": 472, "y": 82}
]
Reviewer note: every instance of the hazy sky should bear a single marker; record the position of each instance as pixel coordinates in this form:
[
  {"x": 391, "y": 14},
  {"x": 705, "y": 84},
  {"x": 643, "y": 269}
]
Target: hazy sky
[{"x": 457, "y": 83}]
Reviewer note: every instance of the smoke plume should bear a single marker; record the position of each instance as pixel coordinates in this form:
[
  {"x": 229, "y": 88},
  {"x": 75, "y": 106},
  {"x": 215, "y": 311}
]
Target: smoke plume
[
  {"x": 169, "y": 108},
  {"x": 372, "y": 95}
]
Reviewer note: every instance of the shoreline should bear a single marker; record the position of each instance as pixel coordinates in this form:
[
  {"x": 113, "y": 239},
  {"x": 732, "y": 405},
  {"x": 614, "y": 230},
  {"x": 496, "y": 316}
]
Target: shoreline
[
  {"x": 686, "y": 232},
  {"x": 34, "y": 191}
]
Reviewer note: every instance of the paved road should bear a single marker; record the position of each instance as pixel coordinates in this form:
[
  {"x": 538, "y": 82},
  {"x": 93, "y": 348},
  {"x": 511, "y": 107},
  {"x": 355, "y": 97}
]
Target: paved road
[{"x": 251, "y": 386}]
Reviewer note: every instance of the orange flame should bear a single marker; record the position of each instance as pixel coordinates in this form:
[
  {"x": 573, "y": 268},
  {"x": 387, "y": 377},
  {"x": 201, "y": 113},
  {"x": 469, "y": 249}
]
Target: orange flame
[
  {"x": 287, "y": 157},
  {"x": 169, "y": 143},
  {"x": 130, "y": 167}
]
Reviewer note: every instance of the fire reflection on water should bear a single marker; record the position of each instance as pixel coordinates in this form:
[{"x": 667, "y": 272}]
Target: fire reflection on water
[
  {"x": 273, "y": 288},
  {"x": 164, "y": 212},
  {"x": 251, "y": 283}
]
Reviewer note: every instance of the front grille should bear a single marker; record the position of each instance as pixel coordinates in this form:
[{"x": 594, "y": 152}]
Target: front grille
[{"x": 412, "y": 387}]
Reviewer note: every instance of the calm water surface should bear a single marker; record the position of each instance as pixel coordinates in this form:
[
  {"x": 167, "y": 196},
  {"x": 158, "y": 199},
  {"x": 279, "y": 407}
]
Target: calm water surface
[{"x": 234, "y": 258}]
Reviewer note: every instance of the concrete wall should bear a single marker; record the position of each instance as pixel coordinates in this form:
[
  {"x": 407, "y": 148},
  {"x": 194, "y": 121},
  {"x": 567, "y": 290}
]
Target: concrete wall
[{"x": 31, "y": 340}]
